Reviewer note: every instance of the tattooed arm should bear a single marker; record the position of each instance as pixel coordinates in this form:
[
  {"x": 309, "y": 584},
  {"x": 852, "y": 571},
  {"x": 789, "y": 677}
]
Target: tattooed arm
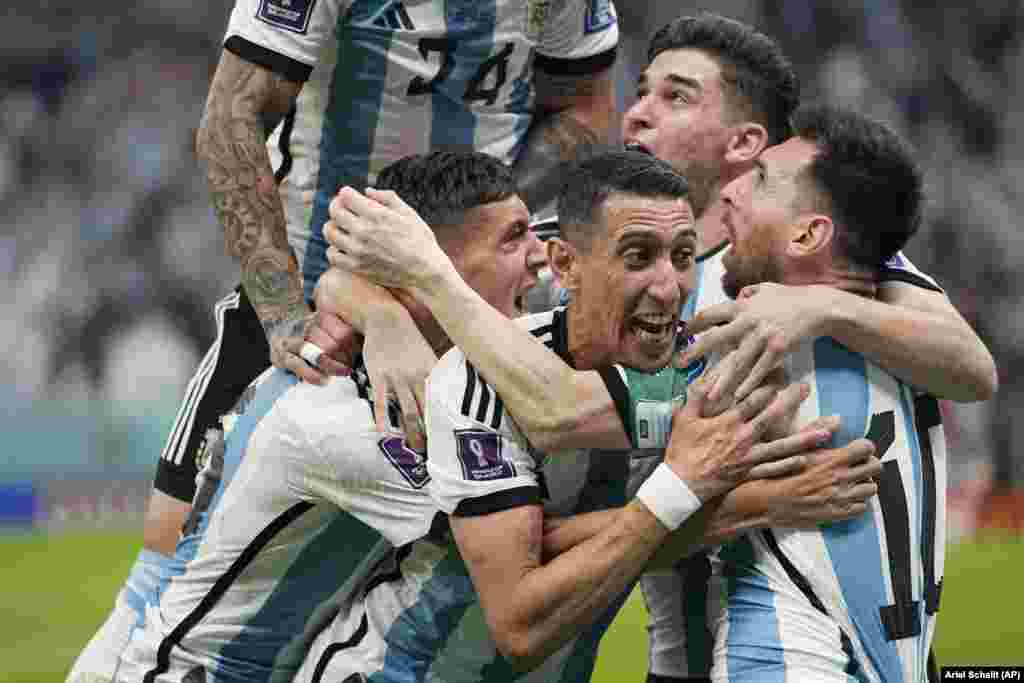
[
  {"x": 574, "y": 114},
  {"x": 231, "y": 145}
]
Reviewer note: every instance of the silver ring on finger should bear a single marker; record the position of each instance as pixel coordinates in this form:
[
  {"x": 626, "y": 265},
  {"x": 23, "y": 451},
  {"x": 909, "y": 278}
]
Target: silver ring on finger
[{"x": 311, "y": 353}]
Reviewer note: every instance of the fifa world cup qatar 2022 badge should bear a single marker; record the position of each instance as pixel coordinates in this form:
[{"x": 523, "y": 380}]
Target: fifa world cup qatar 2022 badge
[
  {"x": 480, "y": 455},
  {"x": 536, "y": 15},
  {"x": 410, "y": 464},
  {"x": 290, "y": 15}
]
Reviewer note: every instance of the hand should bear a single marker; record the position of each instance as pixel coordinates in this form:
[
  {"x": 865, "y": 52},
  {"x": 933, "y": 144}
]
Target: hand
[
  {"x": 764, "y": 324},
  {"x": 836, "y": 485},
  {"x": 336, "y": 346},
  {"x": 286, "y": 341},
  {"x": 398, "y": 360},
  {"x": 379, "y": 236},
  {"x": 715, "y": 454}
]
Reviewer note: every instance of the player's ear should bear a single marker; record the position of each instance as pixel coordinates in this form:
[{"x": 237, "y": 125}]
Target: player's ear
[
  {"x": 748, "y": 140},
  {"x": 812, "y": 234},
  {"x": 562, "y": 261}
]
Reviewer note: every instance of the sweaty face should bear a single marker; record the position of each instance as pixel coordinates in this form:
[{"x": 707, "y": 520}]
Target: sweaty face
[
  {"x": 499, "y": 256},
  {"x": 762, "y": 208},
  {"x": 680, "y": 116},
  {"x": 633, "y": 281}
]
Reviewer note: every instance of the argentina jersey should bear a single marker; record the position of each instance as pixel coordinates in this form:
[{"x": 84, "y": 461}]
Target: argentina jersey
[
  {"x": 684, "y": 603},
  {"x": 388, "y": 78},
  {"x": 315, "y": 503},
  {"x": 854, "y": 600},
  {"x": 421, "y": 619}
]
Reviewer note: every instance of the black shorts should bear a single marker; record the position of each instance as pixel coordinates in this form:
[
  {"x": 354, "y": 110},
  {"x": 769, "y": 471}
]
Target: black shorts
[{"x": 238, "y": 355}]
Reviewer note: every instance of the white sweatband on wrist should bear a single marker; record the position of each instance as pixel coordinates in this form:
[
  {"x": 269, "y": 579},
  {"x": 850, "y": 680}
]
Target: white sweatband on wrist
[
  {"x": 668, "y": 497},
  {"x": 311, "y": 353}
]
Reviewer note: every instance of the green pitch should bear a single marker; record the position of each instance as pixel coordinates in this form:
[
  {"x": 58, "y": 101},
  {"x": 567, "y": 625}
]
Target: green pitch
[{"x": 58, "y": 589}]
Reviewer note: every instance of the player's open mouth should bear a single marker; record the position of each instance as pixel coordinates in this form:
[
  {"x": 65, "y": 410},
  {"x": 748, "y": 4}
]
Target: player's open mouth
[
  {"x": 637, "y": 147},
  {"x": 520, "y": 303},
  {"x": 651, "y": 329}
]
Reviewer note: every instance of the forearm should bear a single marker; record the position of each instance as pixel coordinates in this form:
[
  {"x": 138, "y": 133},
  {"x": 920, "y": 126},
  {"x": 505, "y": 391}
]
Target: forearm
[
  {"x": 552, "y": 143},
  {"x": 553, "y": 404},
  {"x": 575, "y": 114},
  {"x": 935, "y": 351},
  {"x": 230, "y": 144},
  {"x": 359, "y": 302},
  {"x": 564, "y": 533},
  {"x": 546, "y": 606}
]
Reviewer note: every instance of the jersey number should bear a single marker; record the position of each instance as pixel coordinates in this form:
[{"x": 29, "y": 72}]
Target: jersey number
[
  {"x": 475, "y": 90},
  {"x": 902, "y": 619}
]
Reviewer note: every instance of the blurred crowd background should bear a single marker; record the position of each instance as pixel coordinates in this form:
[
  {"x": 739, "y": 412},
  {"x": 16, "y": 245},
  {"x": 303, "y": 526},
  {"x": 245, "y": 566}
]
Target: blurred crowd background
[{"x": 112, "y": 259}]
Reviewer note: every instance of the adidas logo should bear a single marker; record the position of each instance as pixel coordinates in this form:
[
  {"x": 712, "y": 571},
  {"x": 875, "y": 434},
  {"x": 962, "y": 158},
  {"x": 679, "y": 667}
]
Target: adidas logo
[{"x": 394, "y": 16}]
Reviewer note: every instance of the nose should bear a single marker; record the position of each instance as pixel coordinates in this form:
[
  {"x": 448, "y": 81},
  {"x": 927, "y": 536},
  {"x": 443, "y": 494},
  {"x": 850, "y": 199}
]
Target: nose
[
  {"x": 637, "y": 117},
  {"x": 664, "y": 284},
  {"x": 536, "y": 257}
]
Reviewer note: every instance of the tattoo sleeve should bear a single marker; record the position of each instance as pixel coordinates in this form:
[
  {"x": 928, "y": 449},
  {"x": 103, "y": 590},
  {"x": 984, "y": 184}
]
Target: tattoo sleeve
[
  {"x": 231, "y": 144},
  {"x": 551, "y": 144},
  {"x": 574, "y": 119}
]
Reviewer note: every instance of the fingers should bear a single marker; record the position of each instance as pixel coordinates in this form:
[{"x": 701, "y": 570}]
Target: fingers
[
  {"x": 785, "y": 404},
  {"x": 285, "y": 353},
  {"x": 785, "y": 456},
  {"x": 753, "y": 405},
  {"x": 735, "y": 367},
  {"x": 337, "y": 339},
  {"x": 412, "y": 422},
  {"x": 381, "y": 397},
  {"x": 712, "y": 316},
  {"x": 856, "y": 451},
  {"x": 769, "y": 357}
]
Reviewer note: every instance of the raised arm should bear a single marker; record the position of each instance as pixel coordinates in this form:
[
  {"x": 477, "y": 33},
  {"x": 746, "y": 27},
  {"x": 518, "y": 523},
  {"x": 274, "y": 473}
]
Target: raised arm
[
  {"x": 556, "y": 406},
  {"x": 835, "y": 485},
  {"x": 913, "y": 332},
  {"x": 230, "y": 144},
  {"x": 574, "y": 114},
  {"x": 531, "y": 607}
]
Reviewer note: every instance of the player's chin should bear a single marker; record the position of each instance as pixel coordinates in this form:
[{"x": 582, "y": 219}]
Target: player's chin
[{"x": 644, "y": 354}]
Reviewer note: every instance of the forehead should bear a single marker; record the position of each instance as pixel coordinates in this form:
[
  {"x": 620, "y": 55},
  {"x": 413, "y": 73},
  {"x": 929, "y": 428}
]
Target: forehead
[
  {"x": 627, "y": 215},
  {"x": 488, "y": 222},
  {"x": 687, "y": 64}
]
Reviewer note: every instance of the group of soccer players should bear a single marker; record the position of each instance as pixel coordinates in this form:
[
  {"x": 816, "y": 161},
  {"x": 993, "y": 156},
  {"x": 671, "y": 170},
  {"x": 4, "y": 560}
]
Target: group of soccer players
[{"x": 305, "y": 532}]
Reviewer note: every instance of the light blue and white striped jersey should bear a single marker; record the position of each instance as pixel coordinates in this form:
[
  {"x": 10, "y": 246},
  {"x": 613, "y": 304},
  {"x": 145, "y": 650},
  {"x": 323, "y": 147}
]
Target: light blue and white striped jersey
[
  {"x": 315, "y": 503},
  {"x": 389, "y": 78},
  {"x": 421, "y": 619},
  {"x": 854, "y": 600},
  {"x": 684, "y": 603}
]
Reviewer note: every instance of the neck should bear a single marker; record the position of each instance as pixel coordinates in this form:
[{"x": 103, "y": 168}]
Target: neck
[
  {"x": 587, "y": 353},
  {"x": 710, "y": 229},
  {"x": 862, "y": 282}
]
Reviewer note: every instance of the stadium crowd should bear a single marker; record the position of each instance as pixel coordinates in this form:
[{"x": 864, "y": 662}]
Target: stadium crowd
[
  {"x": 111, "y": 246},
  {"x": 99, "y": 134}
]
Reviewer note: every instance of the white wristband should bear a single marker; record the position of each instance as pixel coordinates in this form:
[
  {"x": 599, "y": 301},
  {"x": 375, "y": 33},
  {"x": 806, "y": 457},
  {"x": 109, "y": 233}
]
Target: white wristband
[{"x": 668, "y": 497}]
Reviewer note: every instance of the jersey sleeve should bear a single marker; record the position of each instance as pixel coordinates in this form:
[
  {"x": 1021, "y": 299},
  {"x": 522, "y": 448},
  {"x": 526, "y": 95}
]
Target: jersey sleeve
[
  {"x": 478, "y": 461},
  {"x": 285, "y": 36},
  {"x": 577, "y": 36},
  {"x": 900, "y": 269}
]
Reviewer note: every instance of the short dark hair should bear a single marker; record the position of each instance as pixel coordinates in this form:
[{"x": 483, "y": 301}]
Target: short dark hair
[
  {"x": 441, "y": 186},
  {"x": 867, "y": 178},
  {"x": 589, "y": 183},
  {"x": 753, "y": 65}
]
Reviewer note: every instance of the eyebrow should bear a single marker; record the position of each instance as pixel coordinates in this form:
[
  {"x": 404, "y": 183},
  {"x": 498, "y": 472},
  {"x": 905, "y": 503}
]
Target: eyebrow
[
  {"x": 639, "y": 233},
  {"x": 677, "y": 79},
  {"x": 692, "y": 83}
]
